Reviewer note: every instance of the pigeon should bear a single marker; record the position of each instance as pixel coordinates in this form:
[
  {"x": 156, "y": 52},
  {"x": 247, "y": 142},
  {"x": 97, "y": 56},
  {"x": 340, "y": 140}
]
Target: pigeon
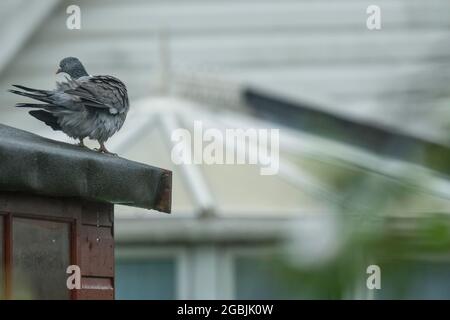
[{"x": 81, "y": 106}]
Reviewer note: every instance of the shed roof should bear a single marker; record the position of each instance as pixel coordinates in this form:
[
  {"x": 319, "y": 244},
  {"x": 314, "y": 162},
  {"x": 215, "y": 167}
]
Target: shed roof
[{"x": 31, "y": 163}]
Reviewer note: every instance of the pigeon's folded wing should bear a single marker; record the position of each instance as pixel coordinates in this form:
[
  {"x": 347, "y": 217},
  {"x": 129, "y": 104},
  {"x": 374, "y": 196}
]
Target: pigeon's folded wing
[{"x": 101, "y": 92}]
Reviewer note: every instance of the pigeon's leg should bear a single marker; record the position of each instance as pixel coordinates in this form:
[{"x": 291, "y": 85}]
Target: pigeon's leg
[
  {"x": 81, "y": 143},
  {"x": 103, "y": 149}
]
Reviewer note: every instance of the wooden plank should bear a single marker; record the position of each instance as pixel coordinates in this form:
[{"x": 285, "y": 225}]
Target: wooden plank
[
  {"x": 97, "y": 214},
  {"x": 94, "y": 288},
  {"x": 27, "y": 205},
  {"x": 94, "y": 294},
  {"x": 345, "y": 75},
  {"x": 212, "y": 16},
  {"x": 97, "y": 251},
  {"x": 2, "y": 257},
  {"x": 115, "y": 56},
  {"x": 8, "y": 255}
]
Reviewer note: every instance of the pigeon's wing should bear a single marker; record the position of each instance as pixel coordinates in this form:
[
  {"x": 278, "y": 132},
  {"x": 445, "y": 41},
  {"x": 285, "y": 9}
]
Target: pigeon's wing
[{"x": 101, "y": 92}]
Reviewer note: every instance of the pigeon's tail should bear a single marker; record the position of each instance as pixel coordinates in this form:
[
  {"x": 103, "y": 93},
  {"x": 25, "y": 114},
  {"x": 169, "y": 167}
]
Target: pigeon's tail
[
  {"x": 44, "y": 114},
  {"x": 31, "y": 89},
  {"x": 40, "y": 97},
  {"x": 45, "y": 106},
  {"x": 46, "y": 117},
  {"x": 34, "y": 105}
]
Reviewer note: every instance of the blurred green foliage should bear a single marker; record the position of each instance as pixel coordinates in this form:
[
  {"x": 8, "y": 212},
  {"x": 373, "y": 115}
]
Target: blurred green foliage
[{"x": 375, "y": 226}]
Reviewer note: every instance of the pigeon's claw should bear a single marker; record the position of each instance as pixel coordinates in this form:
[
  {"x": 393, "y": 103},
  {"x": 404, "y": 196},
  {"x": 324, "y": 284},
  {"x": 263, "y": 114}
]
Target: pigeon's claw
[{"x": 103, "y": 149}]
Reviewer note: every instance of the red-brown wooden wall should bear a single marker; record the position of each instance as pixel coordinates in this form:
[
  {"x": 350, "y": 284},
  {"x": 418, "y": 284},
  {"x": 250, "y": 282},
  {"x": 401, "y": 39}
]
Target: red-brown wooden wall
[{"x": 91, "y": 238}]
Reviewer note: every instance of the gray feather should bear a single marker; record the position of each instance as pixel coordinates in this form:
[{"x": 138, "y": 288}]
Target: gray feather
[{"x": 89, "y": 106}]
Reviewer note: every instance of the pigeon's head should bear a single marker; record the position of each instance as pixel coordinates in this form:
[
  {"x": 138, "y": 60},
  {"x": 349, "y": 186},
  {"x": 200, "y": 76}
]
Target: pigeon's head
[{"x": 73, "y": 67}]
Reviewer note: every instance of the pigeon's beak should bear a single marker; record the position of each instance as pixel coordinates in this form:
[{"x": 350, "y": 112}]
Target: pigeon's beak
[{"x": 58, "y": 70}]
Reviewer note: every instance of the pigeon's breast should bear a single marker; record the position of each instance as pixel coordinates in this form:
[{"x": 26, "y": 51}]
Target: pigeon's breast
[
  {"x": 95, "y": 125},
  {"x": 75, "y": 124},
  {"x": 106, "y": 125}
]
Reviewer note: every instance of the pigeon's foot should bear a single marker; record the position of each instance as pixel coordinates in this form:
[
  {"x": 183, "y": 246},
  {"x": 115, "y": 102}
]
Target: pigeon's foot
[
  {"x": 103, "y": 149},
  {"x": 81, "y": 144}
]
